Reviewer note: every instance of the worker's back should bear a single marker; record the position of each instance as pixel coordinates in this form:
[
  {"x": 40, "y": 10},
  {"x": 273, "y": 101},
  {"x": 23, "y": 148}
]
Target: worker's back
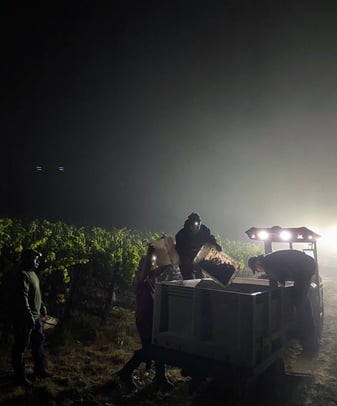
[{"x": 288, "y": 265}]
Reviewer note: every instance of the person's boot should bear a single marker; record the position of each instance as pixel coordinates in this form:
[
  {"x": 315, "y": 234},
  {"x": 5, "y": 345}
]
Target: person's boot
[
  {"x": 148, "y": 365},
  {"x": 19, "y": 370},
  {"x": 125, "y": 374},
  {"x": 160, "y": 379},
  {"x": 125, "y": 378},
  {"x": 163, "y": 384}
]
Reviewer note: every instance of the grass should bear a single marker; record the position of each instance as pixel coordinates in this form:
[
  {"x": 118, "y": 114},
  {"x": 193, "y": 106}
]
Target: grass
[
  {"x": 82, "y": 356},
  {"x": 86, "y": 356}
]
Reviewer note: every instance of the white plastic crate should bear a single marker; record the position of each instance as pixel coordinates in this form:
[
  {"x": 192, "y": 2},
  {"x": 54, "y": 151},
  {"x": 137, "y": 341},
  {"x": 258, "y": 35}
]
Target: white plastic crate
[{"x": 241, "y": 325}]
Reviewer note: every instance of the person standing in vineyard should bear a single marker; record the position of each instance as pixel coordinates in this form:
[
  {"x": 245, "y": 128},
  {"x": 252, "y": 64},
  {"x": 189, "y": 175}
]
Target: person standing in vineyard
[
  {"x": 189, "y": 240},
  {"x": 145, "y": 280},
  {"x": 27, "y": 309}
]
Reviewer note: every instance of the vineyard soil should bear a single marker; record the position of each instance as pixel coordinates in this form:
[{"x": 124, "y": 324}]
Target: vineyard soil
[{"x": 84, "y": 372}]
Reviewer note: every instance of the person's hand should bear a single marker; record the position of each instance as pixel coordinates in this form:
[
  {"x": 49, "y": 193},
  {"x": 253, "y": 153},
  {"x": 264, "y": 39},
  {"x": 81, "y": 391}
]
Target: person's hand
[
  {"x": 158, "y": 271},
  {"x": 28, "y": 319},
  {"x": 196, "y": 267},
  {"x": 43, "y": 310}
]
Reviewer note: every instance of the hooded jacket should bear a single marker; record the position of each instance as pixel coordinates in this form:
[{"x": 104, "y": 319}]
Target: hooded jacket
[
  {"x": 27, "y": 297},
  {"x": 188, "y": 243},
  {"x": 288, "y": 265}
]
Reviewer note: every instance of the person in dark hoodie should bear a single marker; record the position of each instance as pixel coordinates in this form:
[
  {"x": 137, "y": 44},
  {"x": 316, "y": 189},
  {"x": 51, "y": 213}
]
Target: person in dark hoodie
[
  {"x": 27, "y": 311},
  {"x": 287, "y": 265},
  {"x": 189, "y": 240}
]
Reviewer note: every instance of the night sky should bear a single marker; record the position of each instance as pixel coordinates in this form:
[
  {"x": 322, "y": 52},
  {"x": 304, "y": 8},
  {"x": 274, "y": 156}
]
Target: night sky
[{"x": 154, "y": 111}]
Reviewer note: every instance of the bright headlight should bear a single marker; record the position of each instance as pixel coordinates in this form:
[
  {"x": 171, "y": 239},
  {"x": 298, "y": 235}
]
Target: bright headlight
[
  {"x": 263, "y": 235},
  {"x": 285, "y": 235}
]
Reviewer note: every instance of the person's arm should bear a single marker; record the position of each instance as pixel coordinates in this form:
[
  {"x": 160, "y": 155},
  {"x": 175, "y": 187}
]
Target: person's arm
[
  {"x": 214, "y": 242},
  {"x": 43, "y": 310},
  {"x": 144, "y": 275},
  {"x": 158, "y": 271},
  {"x": 273, "y": 283},
  {"x": 275, "y": 275},
  {"x": 211, "y": 239},
  {"x": 24, "y": 292},
  {"x": 179, "y": 243}
]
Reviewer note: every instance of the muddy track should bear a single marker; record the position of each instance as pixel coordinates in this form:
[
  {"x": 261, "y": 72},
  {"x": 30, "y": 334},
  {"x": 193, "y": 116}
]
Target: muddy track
[{"x": 320, "y": 388}]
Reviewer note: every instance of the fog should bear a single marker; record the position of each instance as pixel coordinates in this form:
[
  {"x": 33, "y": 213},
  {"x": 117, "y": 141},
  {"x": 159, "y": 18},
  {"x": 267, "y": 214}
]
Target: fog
[{"x": 156, "y": 112}]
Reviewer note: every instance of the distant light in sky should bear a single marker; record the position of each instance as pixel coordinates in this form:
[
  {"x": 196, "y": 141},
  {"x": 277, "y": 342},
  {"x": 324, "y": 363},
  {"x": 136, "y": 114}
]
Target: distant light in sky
[{"x": 40, "y": 168}]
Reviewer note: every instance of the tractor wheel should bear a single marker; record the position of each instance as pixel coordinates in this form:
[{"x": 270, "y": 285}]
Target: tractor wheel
[{"x": 311, "y": 333}]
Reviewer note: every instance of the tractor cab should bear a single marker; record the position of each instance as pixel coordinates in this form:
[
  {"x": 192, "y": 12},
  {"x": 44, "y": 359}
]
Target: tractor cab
[
  {"x": 290, "y": 238},
  {"x": 302, "y": 239}
]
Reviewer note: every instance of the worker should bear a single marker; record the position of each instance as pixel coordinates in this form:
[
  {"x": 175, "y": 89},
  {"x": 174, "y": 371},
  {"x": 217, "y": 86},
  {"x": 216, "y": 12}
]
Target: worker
[
  {"x": 147, "y": 276},
  {"x": 286, "y": 265},
  {"x": 189, "y": 240},
  {"x": 27, "y": 310}
]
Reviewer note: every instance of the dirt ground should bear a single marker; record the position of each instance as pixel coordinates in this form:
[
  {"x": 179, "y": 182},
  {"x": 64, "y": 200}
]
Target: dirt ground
[
  {"x": 84, "y": 374},
  {"x": 318, "y": 384}
]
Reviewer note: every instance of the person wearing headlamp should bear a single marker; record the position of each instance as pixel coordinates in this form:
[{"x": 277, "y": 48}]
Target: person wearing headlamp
[
  {"x": 189, "y": 240},
  {"x": 144, "y": 283}
]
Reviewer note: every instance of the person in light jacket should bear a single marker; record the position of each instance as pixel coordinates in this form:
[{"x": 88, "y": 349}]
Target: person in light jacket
[{"x": 27, "y": 310}]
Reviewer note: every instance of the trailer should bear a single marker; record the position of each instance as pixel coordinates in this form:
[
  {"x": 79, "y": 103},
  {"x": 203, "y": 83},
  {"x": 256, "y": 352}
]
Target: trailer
[{"x": 234, "y": 331}]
